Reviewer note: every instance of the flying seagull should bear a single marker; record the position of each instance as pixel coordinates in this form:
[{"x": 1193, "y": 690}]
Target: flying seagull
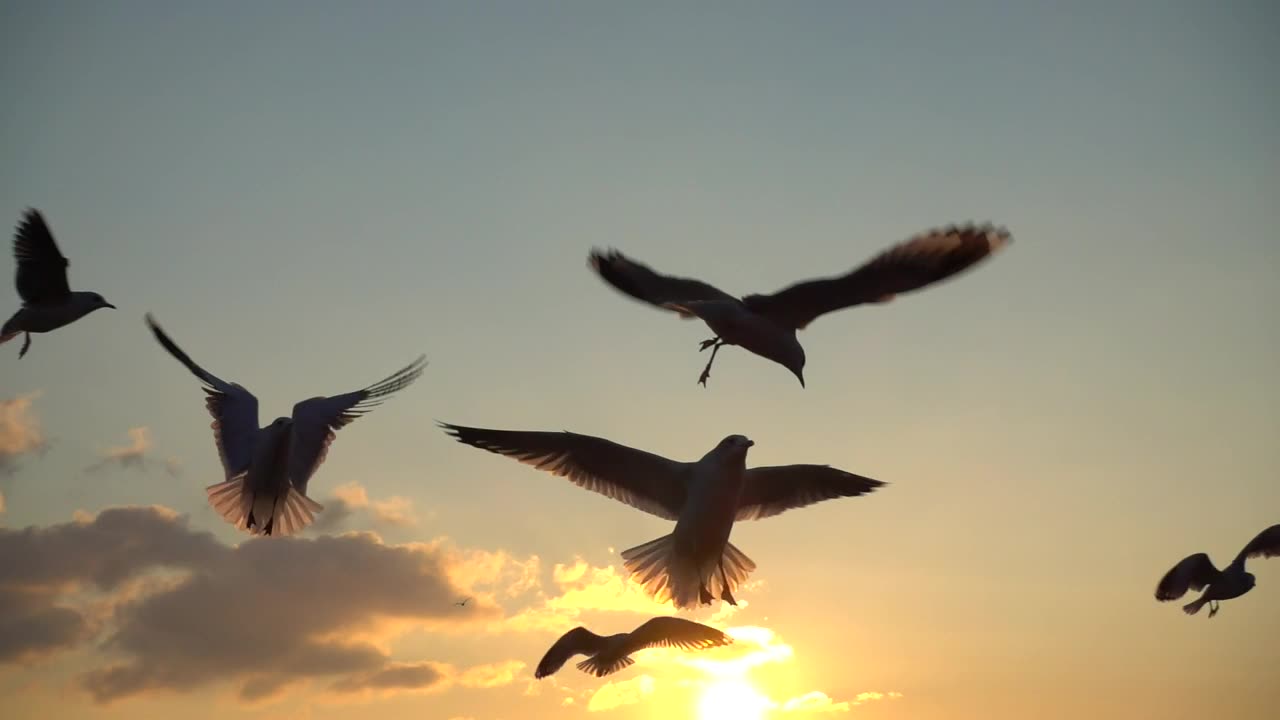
[
  {"x": 696, "y": 562},
  {"x": 610, "y": 654},
  {"x": 267, "y": 469},
  {"x": 463, "y": 603},
  {"x": 47, "y": 300},
  {"x": 766, "y": 324},
  {"x": 1196, "y": 572}
]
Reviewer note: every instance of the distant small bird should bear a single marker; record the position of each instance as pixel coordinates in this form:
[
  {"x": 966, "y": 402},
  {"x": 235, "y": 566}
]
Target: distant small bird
[
  {"x": 47, "y": 300},
  {"x": 609, "y": 654},
  {"x": 766, "y": 324},
  {"x": 1196, "y": 572},
  {"x": 463, "y": 603},
  {"x": 268, "y": 468},
  {"x": 696, "y": 562}
]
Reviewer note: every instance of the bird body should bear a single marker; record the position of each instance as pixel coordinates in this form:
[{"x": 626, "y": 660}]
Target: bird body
[
  {"x": 695, "y": 563},
  {"x": 766, "y": 325},
  {"x": 268, "y": 468},
  {"x": 1197, "y": 572},
  {"x": 48, "y": 303},
  {"x": 608, "y": 654}
]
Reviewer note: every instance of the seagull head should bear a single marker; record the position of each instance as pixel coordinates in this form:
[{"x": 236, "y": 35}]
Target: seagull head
[
  {"x": 1249, "y": 581},
  {"x": 736, "y": 445},
  {"x": 101, "y": 302},
  {"x": 280, "y": 425}
]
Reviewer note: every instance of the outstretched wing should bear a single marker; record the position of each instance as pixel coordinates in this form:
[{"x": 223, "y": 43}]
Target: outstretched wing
[
  {"x": 675, "y": 632},
  {"x": 640, "y": 479},
  {"x": 317, "y": 421},
  {"x": 1265, "y": 545},
  {"x": 578, "y": 641},
  {"x": 921, "y": 261},
  {"x": 643, "y": 283},
  {"x": 1195, "y": 573},
  {"x": 768, "y": 491},
  {"x": 42, "y": 269},
  {"x": 234, "y": 409}
]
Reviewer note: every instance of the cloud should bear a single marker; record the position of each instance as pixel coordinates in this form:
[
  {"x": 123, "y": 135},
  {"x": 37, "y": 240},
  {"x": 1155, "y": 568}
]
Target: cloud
[
  {"x": 134, "y": 456},
  {"x": 815, "y": 701},
  {"x": 176, "y": 610},
  {"x": 619, "y": 693},
  {"x": 20, "y": 432},
  {"x": 583, "y": 587},
  {"x": 426, "y": 677},
  {"x": 352, "y": 498}
]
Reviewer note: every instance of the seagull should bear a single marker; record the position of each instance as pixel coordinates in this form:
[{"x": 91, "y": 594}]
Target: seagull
[
  {"x": 1196, "y": 572},
  {"x": 463, "y": 603},
  {"x": 766, "y": 324},
  {"x": 47, "y": 300},
  {"x": 610, "y": 654},
  {"x": 267, "y": 469},
  {"x": 696, "y": 562}
]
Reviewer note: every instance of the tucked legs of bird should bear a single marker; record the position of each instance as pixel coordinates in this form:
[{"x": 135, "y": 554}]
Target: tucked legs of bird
[
  {"x": 1213, "y": 608},
  {"x": 715, "y": 344},
  {"x": 26, "y": 343}
]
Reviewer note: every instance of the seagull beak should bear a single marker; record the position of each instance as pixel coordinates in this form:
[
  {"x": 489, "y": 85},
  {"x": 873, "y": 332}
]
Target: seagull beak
[
  {"x": 107, "y": 304},
  {"x": 800, "y": 377},
  {"x": 751, "y": 443}
]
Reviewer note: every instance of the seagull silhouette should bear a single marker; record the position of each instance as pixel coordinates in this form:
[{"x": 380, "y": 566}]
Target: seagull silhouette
[
  {"x": 48, "y": 302},
  {"x": 463, "y": 603},
  {"x": 766, "y": 324},
  {"x": 607, "y": 655},
  {"x": 1196, "y": 572},
  {"x": 696, "y": 562},
  {"x": 267, "y": 469}
]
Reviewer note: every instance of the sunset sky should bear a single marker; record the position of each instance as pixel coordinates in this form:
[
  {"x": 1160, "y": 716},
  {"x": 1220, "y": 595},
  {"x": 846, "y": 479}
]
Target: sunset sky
[{"x": 307, "y": 195}]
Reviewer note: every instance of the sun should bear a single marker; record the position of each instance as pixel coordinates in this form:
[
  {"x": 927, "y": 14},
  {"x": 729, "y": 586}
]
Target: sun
[{"x": 732, "y": 699}]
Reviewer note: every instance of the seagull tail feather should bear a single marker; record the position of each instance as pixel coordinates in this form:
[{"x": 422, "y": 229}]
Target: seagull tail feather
[
  {"x": 1193, "y": 607},
  {"x": 262, "y": 514},
  {"x": 665, "y": 575}
]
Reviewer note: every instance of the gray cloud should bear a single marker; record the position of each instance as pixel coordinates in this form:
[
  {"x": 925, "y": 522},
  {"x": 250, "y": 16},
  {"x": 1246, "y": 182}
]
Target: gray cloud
[
  {"x": 134, "y": 456},
  {"x": 262, "y": 615}
]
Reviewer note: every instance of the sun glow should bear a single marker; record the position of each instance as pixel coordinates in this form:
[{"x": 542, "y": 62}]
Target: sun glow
[{"x": 732, "y": 699}]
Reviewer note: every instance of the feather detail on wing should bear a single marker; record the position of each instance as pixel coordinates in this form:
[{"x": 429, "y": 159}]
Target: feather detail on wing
[
  {"x": 768, "y": 491},
  {"x": 640, "y": 479},
  {"x": 646, "y": 285},
  {"x": 316, "y": 421},
  {"x": 234, "y": 409},
  {"x": 920, "y": 261}
]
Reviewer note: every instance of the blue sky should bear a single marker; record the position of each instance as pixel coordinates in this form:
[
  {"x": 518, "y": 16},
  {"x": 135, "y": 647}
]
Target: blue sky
[{"x": 307, "y": 195}]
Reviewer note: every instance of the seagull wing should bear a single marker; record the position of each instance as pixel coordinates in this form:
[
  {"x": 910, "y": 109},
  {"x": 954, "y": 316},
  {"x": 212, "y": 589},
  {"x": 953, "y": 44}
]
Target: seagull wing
[
  {"x": 1195, "y": 573},
  {"x": 675, "y": 632},
  {"x": 578, "y": 641},
  {"x": 317, "y": 421},
  {"x": 1265, "y": 545},
  {"x": 42, "y": 269},
  {"x": 640, "y": 479},
  {"x": 643, "y": 283},
  {"x": 768, "y": 491},
  {"x": 234, "y": 409},
  {"x": 922, "y": 260}
]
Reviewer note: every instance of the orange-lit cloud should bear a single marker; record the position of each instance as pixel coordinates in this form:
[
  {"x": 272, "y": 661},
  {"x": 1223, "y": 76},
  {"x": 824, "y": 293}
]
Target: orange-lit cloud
[
  {"x": 20, "y": 432},
  {"x": 351, "y": 498},
  {"x": 425, "y": 677},
  {"x": 581, "y": 587},
  {"x": 135, "y": 455}
]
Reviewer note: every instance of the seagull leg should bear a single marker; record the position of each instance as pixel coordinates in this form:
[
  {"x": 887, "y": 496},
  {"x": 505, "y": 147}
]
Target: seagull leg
[
  {"x": 715, "y": 348},
  {"x": 707, "y": 343},
  {"x": 1213, "y": 608},
  {"x": 26, "y": 343}
]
